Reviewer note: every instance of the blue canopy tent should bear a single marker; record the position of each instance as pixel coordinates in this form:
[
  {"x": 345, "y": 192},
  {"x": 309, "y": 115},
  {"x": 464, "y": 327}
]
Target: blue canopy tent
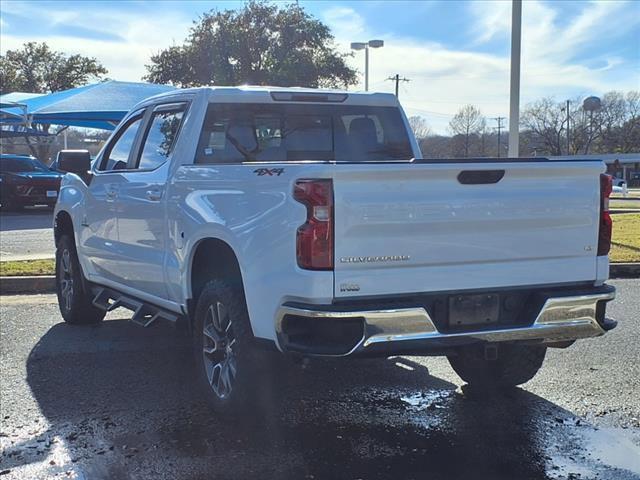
[
  {"x": 99, "y": 105},
  {"x": 19, "y": 130},
  {"x": 12, "y": 124}
]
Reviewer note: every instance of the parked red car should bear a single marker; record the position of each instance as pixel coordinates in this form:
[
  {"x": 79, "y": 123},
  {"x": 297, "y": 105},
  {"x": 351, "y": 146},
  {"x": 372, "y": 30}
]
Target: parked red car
[{"x": 26, "y": 181}]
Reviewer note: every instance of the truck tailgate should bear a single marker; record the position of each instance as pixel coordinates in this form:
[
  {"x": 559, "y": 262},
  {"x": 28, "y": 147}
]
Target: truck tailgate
[{"x": 402, "y": 228}]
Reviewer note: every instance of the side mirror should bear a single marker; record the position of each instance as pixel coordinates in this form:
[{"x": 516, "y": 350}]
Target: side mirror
[{"x": 74, "y": 161}]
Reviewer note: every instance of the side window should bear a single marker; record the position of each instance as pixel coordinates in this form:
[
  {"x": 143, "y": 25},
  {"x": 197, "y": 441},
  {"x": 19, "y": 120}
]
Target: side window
[
  {"x": 161, "y": 136},
  {"x": 117, "y": 153}
]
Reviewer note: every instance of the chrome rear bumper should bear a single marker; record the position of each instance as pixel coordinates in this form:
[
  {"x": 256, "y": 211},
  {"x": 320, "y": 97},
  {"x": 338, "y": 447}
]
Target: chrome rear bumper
[{"x": 560, "y": 319}]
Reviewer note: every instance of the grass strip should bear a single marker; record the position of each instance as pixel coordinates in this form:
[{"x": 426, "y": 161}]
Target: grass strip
[
  {"x": 21, "y": 268},
  {"x": 625, "y": 246}
]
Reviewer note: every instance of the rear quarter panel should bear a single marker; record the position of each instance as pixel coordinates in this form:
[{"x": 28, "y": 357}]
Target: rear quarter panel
[{"x": 257, "y": 217}]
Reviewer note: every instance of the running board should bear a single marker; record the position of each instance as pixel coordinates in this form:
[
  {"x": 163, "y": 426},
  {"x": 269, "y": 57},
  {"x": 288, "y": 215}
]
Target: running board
[{"x": 144, "y": 314}]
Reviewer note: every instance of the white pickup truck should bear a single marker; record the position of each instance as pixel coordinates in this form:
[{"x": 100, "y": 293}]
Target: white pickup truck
[{"x": 307, "y": 221}]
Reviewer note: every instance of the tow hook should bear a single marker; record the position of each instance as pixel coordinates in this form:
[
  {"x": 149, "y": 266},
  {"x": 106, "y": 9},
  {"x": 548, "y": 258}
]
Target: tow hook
[{"x": 491, "y": 353}]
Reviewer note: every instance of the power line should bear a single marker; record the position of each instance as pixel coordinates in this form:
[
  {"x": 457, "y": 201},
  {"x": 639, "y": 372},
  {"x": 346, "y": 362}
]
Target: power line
[
  {"x": 499, "y": 129},
  {"x": 428, "y": 112},
  {"x": 397, "y": 79}
]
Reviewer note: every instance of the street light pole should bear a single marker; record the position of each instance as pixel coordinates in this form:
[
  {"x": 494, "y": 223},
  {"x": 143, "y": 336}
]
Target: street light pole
[
  {"x": 366, "y": 69},
  {"x": 514, "y": 107},
  {"x": 365, "y": 46}
]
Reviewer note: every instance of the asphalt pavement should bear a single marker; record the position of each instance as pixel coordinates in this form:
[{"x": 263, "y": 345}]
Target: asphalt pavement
[
  {"x": 116, "y": 401},
  {"x": 27, "y": 234}
]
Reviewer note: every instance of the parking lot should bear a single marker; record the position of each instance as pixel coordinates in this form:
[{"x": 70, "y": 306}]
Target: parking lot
[
  {"x": 118, "y": 401},
  {"x": 27, "y": 234}
]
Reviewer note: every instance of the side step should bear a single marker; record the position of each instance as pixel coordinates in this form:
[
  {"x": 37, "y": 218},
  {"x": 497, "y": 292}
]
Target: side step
[{"x": 144, "y": 314}]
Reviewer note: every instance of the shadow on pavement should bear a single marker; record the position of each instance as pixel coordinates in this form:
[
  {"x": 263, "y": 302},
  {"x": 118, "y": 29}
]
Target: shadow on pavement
[{"x": 122, "y": 400}]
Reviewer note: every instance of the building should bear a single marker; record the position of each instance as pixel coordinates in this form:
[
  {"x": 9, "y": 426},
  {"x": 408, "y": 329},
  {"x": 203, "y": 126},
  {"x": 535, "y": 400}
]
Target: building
[{"x": 621, "y": 165}]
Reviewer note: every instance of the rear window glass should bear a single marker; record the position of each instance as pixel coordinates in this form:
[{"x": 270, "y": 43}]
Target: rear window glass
[{"x": 235, "y": 133}]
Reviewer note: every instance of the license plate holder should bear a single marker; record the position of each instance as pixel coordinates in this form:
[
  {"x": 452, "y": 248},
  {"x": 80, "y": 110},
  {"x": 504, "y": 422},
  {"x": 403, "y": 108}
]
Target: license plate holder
[
  {"x": 52, "y": 194},
  {"x": 482, "y": 309}
]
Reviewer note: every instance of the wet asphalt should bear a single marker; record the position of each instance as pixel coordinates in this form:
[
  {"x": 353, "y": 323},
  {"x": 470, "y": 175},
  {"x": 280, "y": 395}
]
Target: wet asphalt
[{"x": 117, "y": 401}]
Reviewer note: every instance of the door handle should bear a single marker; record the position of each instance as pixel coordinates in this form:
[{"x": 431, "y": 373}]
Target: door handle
[
  {"x": 111, "y": 193},
  {"x": 479, "y": 177},
  {"x": 154, "y": 195}
]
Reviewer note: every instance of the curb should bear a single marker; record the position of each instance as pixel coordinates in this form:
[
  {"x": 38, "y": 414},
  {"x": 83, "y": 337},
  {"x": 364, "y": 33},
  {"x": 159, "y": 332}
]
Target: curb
[
  {"x": 47, "y": 283},
  {"x": 27, "y": 284},
  {"x": 624, "y": 270}
]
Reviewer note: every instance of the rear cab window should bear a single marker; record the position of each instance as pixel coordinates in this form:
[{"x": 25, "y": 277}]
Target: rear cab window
[{"x": 236, "y": 133}]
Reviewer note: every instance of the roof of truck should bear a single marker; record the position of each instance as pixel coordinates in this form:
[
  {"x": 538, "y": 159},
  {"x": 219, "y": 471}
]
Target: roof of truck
[{"x": 263, "y": 94}]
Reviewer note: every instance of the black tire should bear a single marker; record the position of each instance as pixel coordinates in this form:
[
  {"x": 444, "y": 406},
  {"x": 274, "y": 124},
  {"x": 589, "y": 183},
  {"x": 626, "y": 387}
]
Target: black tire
[
  {"x": 11, "y": 205},
  {"x": 514, "y": 365},
  {"x": 221, "y": 311},
  {"x": 75, "y": 304}
]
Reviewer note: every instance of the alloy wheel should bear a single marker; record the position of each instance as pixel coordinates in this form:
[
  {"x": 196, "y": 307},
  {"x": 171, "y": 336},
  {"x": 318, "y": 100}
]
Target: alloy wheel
[
  {"x": 219, "y": 356},
  {"x": 66, "y": 280}
]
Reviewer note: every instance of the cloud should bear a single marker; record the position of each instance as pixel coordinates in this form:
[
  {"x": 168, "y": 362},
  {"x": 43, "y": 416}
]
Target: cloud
[
  {"x": 123, "y": 43},
  {"x": 71, "y": 30},
  {"x": 557, "y": 60},
  {"x": 490, "y": 19},
  {"x": 344, "y": 21}
]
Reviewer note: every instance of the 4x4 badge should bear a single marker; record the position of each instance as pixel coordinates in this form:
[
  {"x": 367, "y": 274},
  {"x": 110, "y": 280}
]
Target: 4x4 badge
[{"x": 269, "y": 171}]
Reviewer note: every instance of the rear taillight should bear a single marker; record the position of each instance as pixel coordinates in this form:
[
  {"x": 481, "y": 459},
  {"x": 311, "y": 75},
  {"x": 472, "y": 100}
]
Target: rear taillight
[
  {"x": 314, "y": 241},
  {"x": 604, "y": 233}
]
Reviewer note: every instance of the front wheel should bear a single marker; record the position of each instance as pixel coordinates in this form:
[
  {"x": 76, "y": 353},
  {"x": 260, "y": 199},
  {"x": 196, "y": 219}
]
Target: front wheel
[
  {"x": 514, "y": 365},
  {"x": 75, "y": 304}
]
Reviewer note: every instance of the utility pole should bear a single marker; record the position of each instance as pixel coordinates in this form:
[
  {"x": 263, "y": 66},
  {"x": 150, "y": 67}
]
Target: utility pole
[
  {"x": 568, "y": 138},
  {"x": 397, "y": 79},
  {"x": 514, "y": 107},
  {"x": 499, "y": 129}
]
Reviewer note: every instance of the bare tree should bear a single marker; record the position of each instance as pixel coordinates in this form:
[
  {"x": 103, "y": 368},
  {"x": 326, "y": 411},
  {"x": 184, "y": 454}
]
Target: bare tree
[
  {"x": 436, "y": 146},
  {"x": 546, "y": 119},
  {"x": 466, "y": 125},
  {"x": 420, "y": 127},
  {"x": 619, "y": 122},
  {"x": 615, "y": 127}
]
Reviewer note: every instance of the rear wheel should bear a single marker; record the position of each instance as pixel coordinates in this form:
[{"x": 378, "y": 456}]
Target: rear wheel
[
  {"x": 225, "y": 357},
  {"x": 75, "y": 304},
  {"x": 514, "y": 365}
]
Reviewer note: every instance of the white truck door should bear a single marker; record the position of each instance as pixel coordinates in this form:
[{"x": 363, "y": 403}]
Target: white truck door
[
  {"x": 142, "y": 203},
  {"x": 98, "y": 232}
]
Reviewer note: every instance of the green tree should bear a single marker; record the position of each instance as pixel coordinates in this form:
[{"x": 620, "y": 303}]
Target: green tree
[
  {"x": 35, "y": 68},
  {"x": 261, "y": 44}
]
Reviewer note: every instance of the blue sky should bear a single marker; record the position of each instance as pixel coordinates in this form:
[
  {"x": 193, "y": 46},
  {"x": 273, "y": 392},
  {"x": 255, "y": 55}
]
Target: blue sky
[{"x": 454, "y": 52}]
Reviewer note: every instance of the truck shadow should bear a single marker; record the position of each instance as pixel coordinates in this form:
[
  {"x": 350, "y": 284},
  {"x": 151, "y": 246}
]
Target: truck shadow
[{"x": 120, "y": 397}]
